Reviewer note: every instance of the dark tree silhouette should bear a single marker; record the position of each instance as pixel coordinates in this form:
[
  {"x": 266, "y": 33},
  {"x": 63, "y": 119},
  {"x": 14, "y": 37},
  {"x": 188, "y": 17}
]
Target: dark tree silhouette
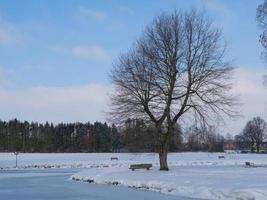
[
  {"x": 261, "y": 17},
  {"x": 254, "y": 132}
]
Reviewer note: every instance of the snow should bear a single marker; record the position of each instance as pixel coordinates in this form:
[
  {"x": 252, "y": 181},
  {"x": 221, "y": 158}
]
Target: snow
[
  {"x": 71, "y": 160},
  {"x": 207, "y": 182},
  {"x": 192, "y": 175},
  {"x": 92, "y": 160}
]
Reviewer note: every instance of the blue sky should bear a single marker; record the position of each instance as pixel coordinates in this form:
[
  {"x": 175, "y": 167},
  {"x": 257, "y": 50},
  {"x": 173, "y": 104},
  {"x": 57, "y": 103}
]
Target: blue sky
[{"x": 52, "y": 50}]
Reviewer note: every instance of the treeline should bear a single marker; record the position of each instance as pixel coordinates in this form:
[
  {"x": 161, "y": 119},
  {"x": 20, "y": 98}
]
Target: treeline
[
  {"x": 133, "y": 136},
  {"x": 63, "y": 137},
  {"x": 203, "y": 138}
]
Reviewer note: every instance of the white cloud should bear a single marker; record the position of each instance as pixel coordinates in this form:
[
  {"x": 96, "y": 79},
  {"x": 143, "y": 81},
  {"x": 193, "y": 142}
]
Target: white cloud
[
  {"x": 57, "y": 104},
  {"x": 5, "y": 76},
  {"x": 226, "y": 15},
  {"x": 98, "y": 15},
  {"x": 125, "y": 9},
  {"x": 57, "y": 49},
  {"x": 8, "y": 33},
  {"x": 87, "y": 16},
  {"x": 88, "y": 103},
  {"x": 91, "y": 52},
  {"x": 248, "y": 86}
]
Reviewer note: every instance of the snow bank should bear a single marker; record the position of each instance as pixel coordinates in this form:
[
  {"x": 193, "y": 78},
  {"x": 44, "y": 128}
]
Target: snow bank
[{"x": 207, "y": 182}]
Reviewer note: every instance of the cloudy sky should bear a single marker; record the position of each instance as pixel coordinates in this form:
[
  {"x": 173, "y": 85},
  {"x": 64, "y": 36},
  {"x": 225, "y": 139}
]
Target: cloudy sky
[{"x": 55, "y": 56}]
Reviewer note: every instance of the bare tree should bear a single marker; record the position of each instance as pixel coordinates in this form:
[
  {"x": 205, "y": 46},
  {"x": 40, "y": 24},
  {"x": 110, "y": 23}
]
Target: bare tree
[
  {"x": 254, "y": 132},
  {"x": 261, "y": 17},
  {"x": 176, "y": 69},
  {"x": 203, "y": 138},
  {"x": 241, "y": 142}
]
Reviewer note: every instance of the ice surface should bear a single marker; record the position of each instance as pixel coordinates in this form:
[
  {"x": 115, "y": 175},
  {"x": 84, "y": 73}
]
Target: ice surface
[{"x": 55, "y": 185}]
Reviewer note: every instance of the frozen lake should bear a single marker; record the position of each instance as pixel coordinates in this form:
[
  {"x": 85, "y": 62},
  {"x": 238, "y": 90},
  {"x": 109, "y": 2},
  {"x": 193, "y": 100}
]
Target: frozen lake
[{"x": 54, "y": 184}]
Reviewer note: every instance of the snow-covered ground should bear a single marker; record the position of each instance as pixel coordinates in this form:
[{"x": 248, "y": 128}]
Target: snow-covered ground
[
  {"x": 196, "y": 175},
  {"x": 207, "y": 182},
  {"x": 92, "y": 160},
  {"x": 70, "y": 160}
]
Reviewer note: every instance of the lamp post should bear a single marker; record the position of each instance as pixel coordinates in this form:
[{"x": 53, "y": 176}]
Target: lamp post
[{"x": 16, "y": 154}]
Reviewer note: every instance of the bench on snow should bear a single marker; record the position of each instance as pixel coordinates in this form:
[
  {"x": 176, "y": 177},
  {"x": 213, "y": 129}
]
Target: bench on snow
[
  {"x": 140, "y": 166},
  {"x": 221, "y": 157},
  {"x": 114, "y": 158},
  {"x": 249, "y": 164}
]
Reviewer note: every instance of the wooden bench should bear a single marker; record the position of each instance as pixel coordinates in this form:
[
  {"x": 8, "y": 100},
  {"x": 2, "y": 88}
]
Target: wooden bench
[
  {"x": 221, "y": 157},
  {"x": 114, "y": 158},
  {"x": 249, "y": 164},
  {"x": 140, "y": 166}
]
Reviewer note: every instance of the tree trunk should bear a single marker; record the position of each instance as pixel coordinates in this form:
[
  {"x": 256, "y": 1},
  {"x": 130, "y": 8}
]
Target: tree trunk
[
  {"x": 163, "y": 158},
  {"x": 258, "y": 148},
  {"x": 164, "y": 146}
]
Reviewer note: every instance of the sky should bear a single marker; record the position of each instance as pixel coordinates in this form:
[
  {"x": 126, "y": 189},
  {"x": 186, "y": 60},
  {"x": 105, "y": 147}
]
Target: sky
[{"x": 55, "y": 56}]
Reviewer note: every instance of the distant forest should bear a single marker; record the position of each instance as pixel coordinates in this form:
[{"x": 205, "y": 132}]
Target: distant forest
[{"x": 133, "y": 136}]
